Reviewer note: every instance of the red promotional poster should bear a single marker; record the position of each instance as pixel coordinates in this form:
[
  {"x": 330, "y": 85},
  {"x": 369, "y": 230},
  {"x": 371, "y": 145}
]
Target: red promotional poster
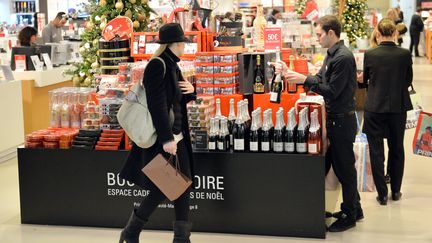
[
  {"x": 120, "y": 26},
  {"x": 20, "y": 62},
  {"x": 272, "y": 38}
]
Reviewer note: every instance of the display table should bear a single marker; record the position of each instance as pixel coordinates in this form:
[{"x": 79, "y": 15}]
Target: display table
[
  {"x": 11, "y": 123},
  {"x": 245, "y": 193},
  {"x": 35, "y": 87}
]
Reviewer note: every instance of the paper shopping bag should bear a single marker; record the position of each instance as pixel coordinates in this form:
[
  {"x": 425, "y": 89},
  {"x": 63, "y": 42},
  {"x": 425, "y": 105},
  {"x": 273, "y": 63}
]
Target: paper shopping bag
[{"x": 422, "y": 142}]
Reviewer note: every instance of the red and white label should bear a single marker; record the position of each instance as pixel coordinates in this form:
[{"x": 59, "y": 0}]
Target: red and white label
[{"x": 272, "y": 38}]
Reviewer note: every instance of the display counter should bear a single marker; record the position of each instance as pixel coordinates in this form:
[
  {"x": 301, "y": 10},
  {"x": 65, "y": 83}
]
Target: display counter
[
  {"x": 35, "y": 87},
  {"x": 11, "y": 123},
  {"x": 429, "y": 45},
  {"x": 245, "y": 193}
]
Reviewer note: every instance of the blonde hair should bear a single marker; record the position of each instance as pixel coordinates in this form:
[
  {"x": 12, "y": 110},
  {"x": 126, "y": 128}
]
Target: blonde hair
[
  {"x": 160, "y": 50},
  {"x": 373, "y": 39},
  {"x": 392, "y": 14}
]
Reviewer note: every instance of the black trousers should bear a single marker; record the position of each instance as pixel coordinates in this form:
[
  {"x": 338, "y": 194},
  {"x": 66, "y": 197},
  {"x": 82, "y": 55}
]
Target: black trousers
[
  {"x": 374, "y": 125},
  {"x": 341, "y": 133},
  {"x": 415, "y": 40},
  {"x": 181, "y": 205}
]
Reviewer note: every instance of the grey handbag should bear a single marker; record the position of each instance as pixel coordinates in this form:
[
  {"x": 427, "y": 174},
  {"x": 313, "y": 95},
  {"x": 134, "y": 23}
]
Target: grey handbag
[{"x": 135, "y": 118}]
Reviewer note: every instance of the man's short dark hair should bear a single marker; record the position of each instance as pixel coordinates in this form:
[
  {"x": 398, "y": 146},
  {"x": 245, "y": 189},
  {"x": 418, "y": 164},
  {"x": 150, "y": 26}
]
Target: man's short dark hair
[
  {"x": 419, "y": 9},
  {"x": 274, "y": 12},
  {"x": 61, "y": 15},
  {"x": 330, "y": 22}
]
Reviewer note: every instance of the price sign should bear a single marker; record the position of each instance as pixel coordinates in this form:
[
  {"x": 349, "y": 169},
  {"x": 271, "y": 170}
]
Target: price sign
[{"x": 272, "y": 38}]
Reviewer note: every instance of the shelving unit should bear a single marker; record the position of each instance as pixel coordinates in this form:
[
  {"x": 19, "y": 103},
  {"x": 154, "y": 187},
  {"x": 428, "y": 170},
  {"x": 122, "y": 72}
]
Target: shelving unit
[{"x": 24, "y": 10}]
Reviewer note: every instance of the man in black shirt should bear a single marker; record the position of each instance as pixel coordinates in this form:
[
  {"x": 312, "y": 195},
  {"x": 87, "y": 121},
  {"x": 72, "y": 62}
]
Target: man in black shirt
[{"x": 336, "y": 82}]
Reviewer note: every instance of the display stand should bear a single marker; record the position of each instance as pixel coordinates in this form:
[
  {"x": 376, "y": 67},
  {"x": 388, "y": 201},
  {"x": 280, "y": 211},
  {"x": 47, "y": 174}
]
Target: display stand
[
  {"x": 244, "y": 193},
  {"x": 429, "y": 45},
  {"x": 35, "y": 87},
  {"x": 11, "y": 124}
]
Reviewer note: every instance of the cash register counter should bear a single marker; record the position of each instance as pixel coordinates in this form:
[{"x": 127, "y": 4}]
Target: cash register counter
[
  {"x": 11, "y": 122},
  {"x": 35, "y": 87}
]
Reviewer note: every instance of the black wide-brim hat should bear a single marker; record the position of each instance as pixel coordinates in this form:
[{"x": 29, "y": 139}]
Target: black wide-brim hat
[{"x": 171, "y": 33}]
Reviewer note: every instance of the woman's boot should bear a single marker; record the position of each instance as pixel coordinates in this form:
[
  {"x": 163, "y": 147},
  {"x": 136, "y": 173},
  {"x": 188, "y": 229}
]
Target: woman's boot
[
  {"x": 130, "y": 234},
  {"x": 182, "y": 231}
]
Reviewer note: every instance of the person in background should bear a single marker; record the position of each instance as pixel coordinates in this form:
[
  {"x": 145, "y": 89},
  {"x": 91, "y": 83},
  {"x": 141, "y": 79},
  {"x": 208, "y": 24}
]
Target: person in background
[
  {"x": 27, "y": 36},
  {"x": 336, "y": 82},
  {"x": 167, "y": 95},
  {"x": 274, "y": 16},
  {"x": 416, "y": 27},
  {"x": 229, "y": 17},
  {"x": 52, "y": 32},
  {"x": 400, "y": 13},
  {"x": 387, "y": 102},
  {"x": 238, "y": 17},
  {"x": 401, "y": 29}
]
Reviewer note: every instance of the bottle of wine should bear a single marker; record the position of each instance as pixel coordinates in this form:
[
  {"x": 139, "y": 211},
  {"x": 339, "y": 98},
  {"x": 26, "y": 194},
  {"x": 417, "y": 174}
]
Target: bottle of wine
[
  {"x": 277, "y": 84},
  {"x": 258, "y": 87},
  {"x": 254, "y": 133},
  {"x": 292, "y": 86},
  {"x": 266, "y": 137},
  {"x": 231, "y": 122},
  {"x": 278, "y": 142},
  {"x": 239, "y": 130},
  {"x": 247, "y": 117},
  {"x": 301, "y": 143},
  {"x": 259, "y": 25},
  {"x": 218, "y": 109},
  {"x": 314, "y": 141},
  {"x": 223, "y": 138},
  {"x": 212, "y": 135},
  {"x": 270, "y": 121},
  {"x": 291, "y": 132}
]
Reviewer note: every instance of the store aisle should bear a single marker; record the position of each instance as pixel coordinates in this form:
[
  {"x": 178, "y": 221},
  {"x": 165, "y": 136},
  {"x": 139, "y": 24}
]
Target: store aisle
[{"x": 405, "y": 221}]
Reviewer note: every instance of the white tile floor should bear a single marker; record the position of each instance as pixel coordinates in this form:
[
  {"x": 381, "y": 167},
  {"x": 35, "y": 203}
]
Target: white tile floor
[{"x": 409, "y": 220}]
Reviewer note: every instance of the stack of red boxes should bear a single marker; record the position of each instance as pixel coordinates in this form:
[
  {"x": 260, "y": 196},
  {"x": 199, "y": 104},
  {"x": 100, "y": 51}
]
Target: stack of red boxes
[
  {"x": 110, "y": 139},
  {"x": 216, "y": 73},
  {"x": 51, "y": 138}
]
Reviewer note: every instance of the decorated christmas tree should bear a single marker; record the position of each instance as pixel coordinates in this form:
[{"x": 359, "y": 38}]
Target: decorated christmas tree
[
  {"x": 353, "y": 20},
  {"x": 300, "y": 6},
  {"x": 101, "y": 12}
]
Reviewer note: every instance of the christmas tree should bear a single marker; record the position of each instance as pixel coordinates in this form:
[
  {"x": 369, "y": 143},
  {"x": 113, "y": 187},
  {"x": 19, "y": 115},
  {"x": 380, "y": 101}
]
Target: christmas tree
[
  {"x": 101, "y": 12},
  {"x": 353, "y": 20},
  {"x": 300, "y": 6}
]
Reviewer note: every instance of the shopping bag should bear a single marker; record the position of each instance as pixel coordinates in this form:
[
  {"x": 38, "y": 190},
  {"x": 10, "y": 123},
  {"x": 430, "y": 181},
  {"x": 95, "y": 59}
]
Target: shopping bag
[
  {"x": 413, "y": 115},
  {"x": 422, "y": 142},
  {"x": 167, "y": 177},
  {"x": 363, "y": 165}
]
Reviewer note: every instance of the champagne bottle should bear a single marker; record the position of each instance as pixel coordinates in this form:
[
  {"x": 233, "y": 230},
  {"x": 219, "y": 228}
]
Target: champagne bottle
[
  {"x": 270, "y": 121},
  {"x": 301, "y": 143},
  {"x": 292, "y": 86},
  {"x": 265, "y": 137},
  {"x": 246, "y": 115},
  {"x": 258, "y": 87},
  {"x": 218, "y": 109},
  {"x": 254, "y": 133},
  {"x": 277, "y": 84},
  {"x": 231, "y": 121},
  {"x": 278, "y": 143},
  {"x": 259, "y": 25},
  {"x": 212, "y": 135},
  {"x": 239, "y": 130},
  {"x": 223, "y": 138},
  {"x": 314, "y": 141},
  {"x": 291, "y": 132}
]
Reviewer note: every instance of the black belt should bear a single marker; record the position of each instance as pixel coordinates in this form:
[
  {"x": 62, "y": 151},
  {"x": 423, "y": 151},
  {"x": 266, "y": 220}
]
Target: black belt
[{"x": 340, "y": 115}]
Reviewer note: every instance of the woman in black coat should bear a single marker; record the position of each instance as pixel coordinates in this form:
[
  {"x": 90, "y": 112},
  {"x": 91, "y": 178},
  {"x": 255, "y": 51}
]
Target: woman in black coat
[
  {"x": 166, "y": 90},
  {"x": 388, "y": 74}
]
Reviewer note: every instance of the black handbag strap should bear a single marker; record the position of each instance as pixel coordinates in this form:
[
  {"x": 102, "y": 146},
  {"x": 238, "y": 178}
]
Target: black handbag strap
[{"x": 177, "y": 163}]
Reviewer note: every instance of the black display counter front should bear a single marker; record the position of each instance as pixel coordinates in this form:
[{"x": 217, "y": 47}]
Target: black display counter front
[{"x": 245, "y": 193}]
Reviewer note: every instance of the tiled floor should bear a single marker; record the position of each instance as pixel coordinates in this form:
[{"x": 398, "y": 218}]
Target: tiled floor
[{"x": 409, "y": 220}]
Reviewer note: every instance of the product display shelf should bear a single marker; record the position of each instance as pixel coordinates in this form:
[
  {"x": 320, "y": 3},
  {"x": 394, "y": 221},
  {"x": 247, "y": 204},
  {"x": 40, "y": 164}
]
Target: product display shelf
[
  {"x": 241, "y": 193},
  {"x": 11, "y": 124},
  {"x": 35, "y": 88}
]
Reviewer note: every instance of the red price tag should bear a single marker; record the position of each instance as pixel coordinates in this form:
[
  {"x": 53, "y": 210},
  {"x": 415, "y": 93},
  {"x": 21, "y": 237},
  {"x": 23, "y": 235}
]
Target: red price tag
[{"x": 272, "y": 38}]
